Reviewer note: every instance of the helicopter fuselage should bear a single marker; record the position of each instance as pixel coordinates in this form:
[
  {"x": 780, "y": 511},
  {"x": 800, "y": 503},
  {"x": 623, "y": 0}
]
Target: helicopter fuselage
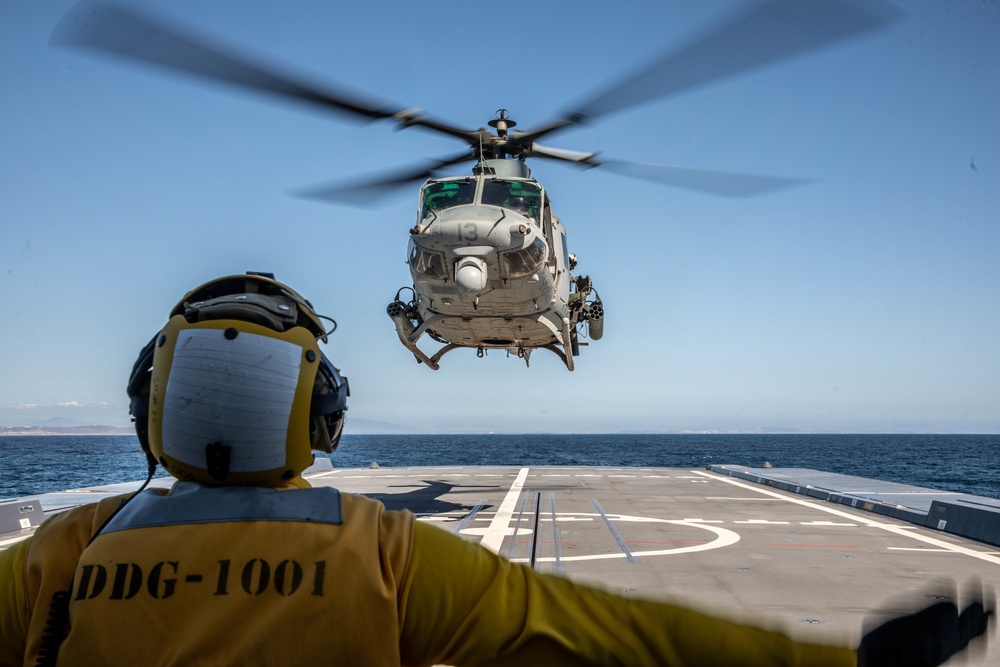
[{"x": 490, "y": 267}]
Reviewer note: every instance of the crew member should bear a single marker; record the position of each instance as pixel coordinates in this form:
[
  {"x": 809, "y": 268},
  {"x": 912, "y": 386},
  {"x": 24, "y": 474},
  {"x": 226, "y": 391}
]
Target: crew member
[{"x": 241, "y": 562}]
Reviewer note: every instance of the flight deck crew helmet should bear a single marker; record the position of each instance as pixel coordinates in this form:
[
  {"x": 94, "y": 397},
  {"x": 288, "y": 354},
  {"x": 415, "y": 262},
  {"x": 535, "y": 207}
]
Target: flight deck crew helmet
[{"x": 235, "y": 390}]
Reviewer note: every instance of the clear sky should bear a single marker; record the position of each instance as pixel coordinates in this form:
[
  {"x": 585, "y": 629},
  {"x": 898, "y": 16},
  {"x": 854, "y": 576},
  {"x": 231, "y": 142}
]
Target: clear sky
[{"x": 868, "y": 301}]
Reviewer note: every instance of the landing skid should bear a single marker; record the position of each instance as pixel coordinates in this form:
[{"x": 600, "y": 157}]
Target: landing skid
[{"x": 409, "y": 335}]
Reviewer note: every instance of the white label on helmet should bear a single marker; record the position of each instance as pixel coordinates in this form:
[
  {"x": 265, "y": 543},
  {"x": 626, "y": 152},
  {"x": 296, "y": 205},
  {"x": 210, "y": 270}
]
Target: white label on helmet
[{"x": 235, "y": 392}]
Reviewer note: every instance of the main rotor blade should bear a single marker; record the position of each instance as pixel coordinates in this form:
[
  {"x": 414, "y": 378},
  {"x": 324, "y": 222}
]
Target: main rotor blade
[
  {"x": 768, "y": 32},
  {"x": 124, "y": 33},
  {"x": 728, "y": 184},
  {"x": 363, "y": 193},
  {"x": 576, "y": 157}
]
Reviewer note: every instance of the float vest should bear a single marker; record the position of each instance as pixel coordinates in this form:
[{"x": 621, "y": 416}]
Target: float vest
[{"x": 212, "y": 575}]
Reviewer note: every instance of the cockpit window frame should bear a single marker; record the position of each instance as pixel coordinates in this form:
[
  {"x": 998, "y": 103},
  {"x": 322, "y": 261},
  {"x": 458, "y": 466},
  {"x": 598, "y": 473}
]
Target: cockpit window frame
[
  {"x": 430, "y": 264},
  {"x": 490, "y": 195},
  {"x": 466, "y": 193},
  {"x": 524, "y": 261}
]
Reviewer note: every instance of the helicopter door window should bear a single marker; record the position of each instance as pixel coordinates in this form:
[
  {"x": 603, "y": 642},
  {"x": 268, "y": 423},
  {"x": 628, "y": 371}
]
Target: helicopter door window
[
  {"x": 428, "y": 263},
  {"x": 439, "y": 196},
  {"x": 524, "y": 262}
]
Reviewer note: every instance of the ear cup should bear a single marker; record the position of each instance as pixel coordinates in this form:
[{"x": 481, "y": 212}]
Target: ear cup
[
  {"x": 138, "y": 393},
  {"x": 329, "y": 403}
]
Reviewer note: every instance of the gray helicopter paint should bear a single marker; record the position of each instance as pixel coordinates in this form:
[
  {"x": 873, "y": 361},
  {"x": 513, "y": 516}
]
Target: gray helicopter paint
[{"x": 470, "y": 296}]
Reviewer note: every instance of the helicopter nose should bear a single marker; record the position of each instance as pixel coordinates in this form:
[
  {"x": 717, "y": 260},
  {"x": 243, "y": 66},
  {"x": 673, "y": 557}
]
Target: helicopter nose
[{"x": 470, "y": 274}]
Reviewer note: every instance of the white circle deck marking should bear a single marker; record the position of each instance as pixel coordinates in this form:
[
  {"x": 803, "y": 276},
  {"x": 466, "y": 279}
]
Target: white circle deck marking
[{"x": 723, "y": 537}]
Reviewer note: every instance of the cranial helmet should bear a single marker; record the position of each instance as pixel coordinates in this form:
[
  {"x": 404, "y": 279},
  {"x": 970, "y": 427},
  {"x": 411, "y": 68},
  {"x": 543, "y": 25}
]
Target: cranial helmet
[{"x": 234, "y": 390}]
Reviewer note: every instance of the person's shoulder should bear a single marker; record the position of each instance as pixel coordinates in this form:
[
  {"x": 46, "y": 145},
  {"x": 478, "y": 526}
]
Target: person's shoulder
[
  {"x": 78, "y": 524},
  {"x": 358, "y": 503},
  {"x": 358, "y": 506}
]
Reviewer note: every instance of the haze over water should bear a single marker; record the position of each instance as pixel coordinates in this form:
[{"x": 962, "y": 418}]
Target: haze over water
[{"x": 962, "y": 463}]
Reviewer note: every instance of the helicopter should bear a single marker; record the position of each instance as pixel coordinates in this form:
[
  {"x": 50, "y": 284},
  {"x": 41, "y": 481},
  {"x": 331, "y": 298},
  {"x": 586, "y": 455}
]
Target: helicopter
[
  {"x": 491, "y": 268},
  {"x": 488, "y": 257}
]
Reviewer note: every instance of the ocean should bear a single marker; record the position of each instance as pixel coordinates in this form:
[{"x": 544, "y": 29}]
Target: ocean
[{"x": 964, "y": 463}]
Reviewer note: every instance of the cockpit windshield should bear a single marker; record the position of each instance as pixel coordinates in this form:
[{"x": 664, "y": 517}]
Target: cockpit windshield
[
  {"x": 439, "y": 196},
  {"x": 524, "y": 197}
]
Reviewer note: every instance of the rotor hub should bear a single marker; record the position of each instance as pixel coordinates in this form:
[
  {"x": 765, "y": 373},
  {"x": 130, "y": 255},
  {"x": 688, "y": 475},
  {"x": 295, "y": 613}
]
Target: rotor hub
[{"x": 502, "y": 123}]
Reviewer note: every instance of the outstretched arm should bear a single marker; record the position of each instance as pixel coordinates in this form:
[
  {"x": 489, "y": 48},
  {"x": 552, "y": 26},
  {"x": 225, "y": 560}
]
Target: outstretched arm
[{"x": 463, "y": 605}]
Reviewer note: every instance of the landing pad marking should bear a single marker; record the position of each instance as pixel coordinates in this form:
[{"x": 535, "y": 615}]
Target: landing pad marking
[
  {"x": 499, "y": 528},
  {"x": 724, "y": 538},
  {"x": 905, "y": 531}
]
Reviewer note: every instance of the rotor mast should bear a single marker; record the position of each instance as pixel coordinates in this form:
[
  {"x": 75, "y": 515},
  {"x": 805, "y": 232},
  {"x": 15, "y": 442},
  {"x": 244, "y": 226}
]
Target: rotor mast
[
  {"x": 497, "y": 155},
  {"x": 500, "y": 147}
]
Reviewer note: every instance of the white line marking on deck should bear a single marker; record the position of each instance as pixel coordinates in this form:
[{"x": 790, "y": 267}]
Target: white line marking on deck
[
  {"x": 324, "y": 474},
  {"x": 825, "y": 523},
  {"x": 500, "y": 526},
  {"x": 892, "y": 528}
]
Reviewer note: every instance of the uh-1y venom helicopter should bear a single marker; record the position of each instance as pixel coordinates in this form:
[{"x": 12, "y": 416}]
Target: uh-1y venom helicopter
[
  {"x": 488, "y": 256},
  {"x": 491, "y": 268}
]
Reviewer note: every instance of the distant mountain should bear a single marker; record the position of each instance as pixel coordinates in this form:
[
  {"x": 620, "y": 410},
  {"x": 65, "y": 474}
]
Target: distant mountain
[
  {"x": 55, "y": 429},
  {"x": 69, "y": 426},
  {"x": 61, "y": 421}
]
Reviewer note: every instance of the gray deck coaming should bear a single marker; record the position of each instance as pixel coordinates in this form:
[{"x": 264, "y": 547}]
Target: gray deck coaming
[
  {"x": 59, "y": 501},
  {"x": 906, "y": 495},
  {"x": 809, "y": 567},
  {"x": 962, "y": 514}
]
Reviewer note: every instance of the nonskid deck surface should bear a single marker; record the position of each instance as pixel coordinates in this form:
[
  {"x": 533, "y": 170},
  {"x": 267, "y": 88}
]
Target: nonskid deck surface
[{"x": 812, "y": 566}]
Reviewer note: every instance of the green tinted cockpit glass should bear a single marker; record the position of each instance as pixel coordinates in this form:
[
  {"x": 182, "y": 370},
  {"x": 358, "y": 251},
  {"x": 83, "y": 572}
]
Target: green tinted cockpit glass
[
  {"x": 439, "y": 196},
  {"x": 524, "y": 197}
]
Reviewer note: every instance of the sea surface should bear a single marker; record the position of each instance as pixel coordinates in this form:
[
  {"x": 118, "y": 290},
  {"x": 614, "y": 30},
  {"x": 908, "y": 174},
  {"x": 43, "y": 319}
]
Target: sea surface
[{"x": 963, "y": 463}]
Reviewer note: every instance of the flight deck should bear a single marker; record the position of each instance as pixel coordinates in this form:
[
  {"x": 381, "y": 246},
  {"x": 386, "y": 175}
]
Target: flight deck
[{"x": 807, "y": 552}]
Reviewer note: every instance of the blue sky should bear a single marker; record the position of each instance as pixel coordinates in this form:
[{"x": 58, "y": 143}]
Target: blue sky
[{"x": 868, "y": 301}]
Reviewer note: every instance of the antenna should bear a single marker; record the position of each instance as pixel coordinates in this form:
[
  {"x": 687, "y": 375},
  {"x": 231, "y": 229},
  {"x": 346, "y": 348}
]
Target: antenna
[{"x": 481, "y": 167}]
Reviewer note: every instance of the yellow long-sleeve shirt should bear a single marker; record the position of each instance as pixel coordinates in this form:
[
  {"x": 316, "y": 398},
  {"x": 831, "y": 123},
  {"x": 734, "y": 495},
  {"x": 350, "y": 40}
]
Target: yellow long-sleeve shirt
[{"x": 309, "y": 576}]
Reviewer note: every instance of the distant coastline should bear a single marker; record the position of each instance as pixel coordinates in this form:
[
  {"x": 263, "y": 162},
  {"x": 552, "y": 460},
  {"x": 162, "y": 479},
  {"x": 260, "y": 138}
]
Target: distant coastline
[{"x": 66, "y": 430}]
